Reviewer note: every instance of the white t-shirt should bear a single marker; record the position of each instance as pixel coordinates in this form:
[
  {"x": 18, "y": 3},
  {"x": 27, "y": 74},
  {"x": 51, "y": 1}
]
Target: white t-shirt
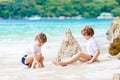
[
  {"x": 92, "y": 46},
  {"x": 33, "y": 48}
]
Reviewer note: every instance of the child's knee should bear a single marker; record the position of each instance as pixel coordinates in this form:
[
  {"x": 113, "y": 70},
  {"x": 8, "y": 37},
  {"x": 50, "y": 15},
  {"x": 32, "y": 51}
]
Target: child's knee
[
  {"x": 82, "y": 59},
  {"x": 42, "y": 58}
]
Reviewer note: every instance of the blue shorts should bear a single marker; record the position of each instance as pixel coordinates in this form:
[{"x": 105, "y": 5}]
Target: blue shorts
[{"x": 23, "y": 59}]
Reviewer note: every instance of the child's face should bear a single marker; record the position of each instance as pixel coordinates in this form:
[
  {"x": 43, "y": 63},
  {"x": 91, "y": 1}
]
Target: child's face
[
  {"x": 39, "y": 43},
  {"x": 86, "y": 37}
]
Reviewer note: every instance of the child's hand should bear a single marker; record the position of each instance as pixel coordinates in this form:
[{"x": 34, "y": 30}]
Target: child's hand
[
  {"x": 38, "y": 64},
  {"x": 33, "y": 67}
]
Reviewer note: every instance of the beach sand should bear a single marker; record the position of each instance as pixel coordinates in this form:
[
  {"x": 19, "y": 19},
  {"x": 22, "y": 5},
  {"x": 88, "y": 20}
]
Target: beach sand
[{"x": 12, "y": 69}]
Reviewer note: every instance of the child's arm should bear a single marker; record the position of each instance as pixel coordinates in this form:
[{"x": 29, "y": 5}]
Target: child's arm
[
  {"x": 35, "y": 60},
  {"x": 94, "y": 57},
  {"x": 33, "y": 64}
]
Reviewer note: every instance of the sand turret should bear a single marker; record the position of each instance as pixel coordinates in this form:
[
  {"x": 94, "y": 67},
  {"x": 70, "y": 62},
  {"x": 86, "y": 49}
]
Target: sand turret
[{"x": 69, "y": 46}]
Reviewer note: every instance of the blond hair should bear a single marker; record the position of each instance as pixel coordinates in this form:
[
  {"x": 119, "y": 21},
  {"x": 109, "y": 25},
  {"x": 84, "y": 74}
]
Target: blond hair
[
  {"x": 41, "y": 37},
  {"x": 87, "y": 30}
]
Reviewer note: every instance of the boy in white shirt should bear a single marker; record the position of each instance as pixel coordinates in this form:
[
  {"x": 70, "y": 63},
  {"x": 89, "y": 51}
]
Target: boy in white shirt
[
  {"x": 93, "y": 50},
  {"x": 33, "y": 53}
]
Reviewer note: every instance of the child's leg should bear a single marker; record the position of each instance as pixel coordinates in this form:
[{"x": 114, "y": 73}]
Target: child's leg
[
  {"x": 69, "y": 61},
  {"x": 29, "y": 60},
  {"x": 33, "y": 64},
  {"x": 41, "y": 61},
  {"x": 81, "y": 57},
  {"x": 30, "y": 64},
  {"x": 84, "y": 57}
]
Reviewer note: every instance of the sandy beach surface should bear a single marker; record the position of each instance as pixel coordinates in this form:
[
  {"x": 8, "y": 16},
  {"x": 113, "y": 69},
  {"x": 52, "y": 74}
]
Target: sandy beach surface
[{"x": 12, "y": 69}]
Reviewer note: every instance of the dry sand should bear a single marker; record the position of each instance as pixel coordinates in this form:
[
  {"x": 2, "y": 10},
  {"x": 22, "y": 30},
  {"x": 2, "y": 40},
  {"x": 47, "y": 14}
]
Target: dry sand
[{"x": 12, "y": 69}]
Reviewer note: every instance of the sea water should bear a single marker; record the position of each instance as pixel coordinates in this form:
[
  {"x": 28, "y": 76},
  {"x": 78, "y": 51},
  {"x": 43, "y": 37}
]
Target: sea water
[
  {"x": 12, "y": 30},
  {"x": 22, "y": 32}
]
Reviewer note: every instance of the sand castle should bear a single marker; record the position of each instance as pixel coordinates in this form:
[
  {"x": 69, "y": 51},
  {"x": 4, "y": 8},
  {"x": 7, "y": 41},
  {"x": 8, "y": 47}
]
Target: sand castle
[
  {"x": 113, "y": 35},
  {"x": 69, "y": 46}
]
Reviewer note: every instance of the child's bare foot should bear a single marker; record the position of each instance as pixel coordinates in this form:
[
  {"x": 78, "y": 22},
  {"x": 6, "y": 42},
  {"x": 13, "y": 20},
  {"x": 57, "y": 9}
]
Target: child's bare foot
[
  {"x": 29, "y": 65},
  {"x": 42, "y": 65},
  {"x": 56, "y": 63},
  {"x": 62, "y": 64}
]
